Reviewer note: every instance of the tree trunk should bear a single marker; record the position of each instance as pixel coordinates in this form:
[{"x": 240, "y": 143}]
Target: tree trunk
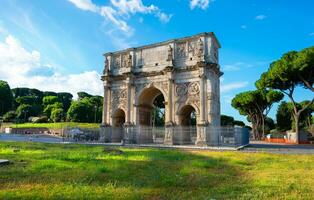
[
  {"x": 297, "y": 130},
  {"x": 253, "y": 131},
  {"x": 263, "y": 126}
]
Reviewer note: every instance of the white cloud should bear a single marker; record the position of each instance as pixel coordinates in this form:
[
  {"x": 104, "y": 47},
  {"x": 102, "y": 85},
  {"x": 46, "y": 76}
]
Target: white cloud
[
  {"x": 260, "y": 17},
  {"x": 202, "y": 4},
  {"x": 230, "y": 68},
  {"x": 23, "y": 68},
  {"x": 163, "y": 17},
  {"x": 133, "y": 6},
  {"x": 120, "y": 10},
  {"x": 110, "y": 14},
  {"x": 85, "y": 5},
  {"x": 128, "y": 7},
  {"x": 243, "y": 26},
  {"x": 234, "y": 67},
  {"x": 232, "y": 86}
]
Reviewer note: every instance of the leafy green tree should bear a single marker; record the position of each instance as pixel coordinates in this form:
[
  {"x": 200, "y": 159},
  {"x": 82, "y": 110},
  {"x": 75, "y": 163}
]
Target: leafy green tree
[
  {"x": 97, "y": 103},
  {"x": 283, "y": 117},
  {"x": 57, "y": 114},
  {"x": 239, "y": 123},
  {"x": 82, "y": 95},
  {"x": 9, "y": 116},
  {"x": 49, "y": 100},
  {"x": 245, "y": 103},
  {"x": 6, "y": 98},
  {"x": 265, "y": 99},
  {"x": 81, "y": 111},
  {"x": 66, "y": 99},
  {"x": 51, "y": 103},
  {"x": 303, "y": 68},
  {"x": 20, "y": 92},
  {"x": 269, "y": 124},
  {"x": 306, "y": 115},
  {"x": 26, "y": 100},
  {"x": 50, "y": 107},
  {"x": 158, "y": 115},
  {"x": 291, "y": 70},
  {"x": 49, "y": 93},
  {"x": 226, "y": 120},
  {"x": 35, "y": 94},
  {"x": 24, "y": 111},
  {"x": 256, "y": 105}
]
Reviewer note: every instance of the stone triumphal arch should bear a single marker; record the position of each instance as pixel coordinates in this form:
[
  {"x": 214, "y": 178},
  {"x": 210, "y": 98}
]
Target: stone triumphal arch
[{"x": 184, "y": 71}]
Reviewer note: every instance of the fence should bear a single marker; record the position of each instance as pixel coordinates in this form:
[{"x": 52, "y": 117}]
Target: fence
[
  {"x": 175, "y": 135},
  {"x": 229, "y": 136}
]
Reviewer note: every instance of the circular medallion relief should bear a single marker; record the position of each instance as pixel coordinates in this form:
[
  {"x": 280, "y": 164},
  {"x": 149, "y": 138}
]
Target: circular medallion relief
[
  {"x": 194, "y": 88},
  {"x": 181, "y": 89}
]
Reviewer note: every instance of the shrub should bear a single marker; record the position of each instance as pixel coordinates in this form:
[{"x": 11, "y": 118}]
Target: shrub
[
  {"x": 57, "y": 114},
  {"x": 9, "y": 116},
  {"x": 24, "y": 111},
  {"x": 49, "y": 108},
  {"x": 80, "y": 111},
  {"x": 41, "y": 119}
]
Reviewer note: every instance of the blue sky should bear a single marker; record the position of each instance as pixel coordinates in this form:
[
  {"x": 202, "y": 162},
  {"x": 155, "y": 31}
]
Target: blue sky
[{"x": 58, "y": 45}]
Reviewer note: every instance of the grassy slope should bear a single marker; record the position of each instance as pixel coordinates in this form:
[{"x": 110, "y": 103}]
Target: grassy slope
[
  {"x": 54, "y": 171},
  {"x": 55, "y": 125}
]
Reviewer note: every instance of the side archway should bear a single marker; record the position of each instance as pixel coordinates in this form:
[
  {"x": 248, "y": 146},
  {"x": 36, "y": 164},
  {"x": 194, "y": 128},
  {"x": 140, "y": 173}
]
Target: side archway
[
  {"x": 187, "y": 130},
  {"x": 118, "y": 118},
  {"x": 187, "y": 116}
]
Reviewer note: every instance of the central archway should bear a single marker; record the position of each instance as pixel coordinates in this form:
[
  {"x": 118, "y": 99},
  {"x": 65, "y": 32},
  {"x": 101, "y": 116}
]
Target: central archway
[
  {"x": 151, "y": 107},
  {"x": 151, "y": 115}
]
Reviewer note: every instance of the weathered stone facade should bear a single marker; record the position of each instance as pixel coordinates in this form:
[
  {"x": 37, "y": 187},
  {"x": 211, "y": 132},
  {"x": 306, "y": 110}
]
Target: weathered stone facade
[{"x": 185, "y": 71}]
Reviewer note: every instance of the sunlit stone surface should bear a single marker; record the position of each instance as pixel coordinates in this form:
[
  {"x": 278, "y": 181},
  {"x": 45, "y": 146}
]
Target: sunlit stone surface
[{"x": 185, "y": 71}]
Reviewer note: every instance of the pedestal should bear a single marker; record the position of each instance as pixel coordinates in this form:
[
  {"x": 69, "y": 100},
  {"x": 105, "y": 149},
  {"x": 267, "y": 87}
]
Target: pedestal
[
  {"x": 201, "y": 139},
  {"x": 169, "y": 132}
]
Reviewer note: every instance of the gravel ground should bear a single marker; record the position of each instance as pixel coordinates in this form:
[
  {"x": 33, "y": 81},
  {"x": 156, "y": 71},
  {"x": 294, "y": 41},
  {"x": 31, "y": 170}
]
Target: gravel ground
[
  {"x": 30, "y": 137},
  {"x": 256, "y": 146}
]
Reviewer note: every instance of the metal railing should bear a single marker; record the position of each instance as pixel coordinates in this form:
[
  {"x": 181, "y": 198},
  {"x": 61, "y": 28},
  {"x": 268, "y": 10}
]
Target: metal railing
[{"x": 176, "y": 135}]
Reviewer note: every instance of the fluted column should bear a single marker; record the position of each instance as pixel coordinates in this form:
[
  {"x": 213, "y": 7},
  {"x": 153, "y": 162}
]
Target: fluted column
[
  {"x": 169, "y": 105},
  {"x": 129, "y": 101},
  {"x": 105, "y": 110},
  {"x": 202, "y": 99}
]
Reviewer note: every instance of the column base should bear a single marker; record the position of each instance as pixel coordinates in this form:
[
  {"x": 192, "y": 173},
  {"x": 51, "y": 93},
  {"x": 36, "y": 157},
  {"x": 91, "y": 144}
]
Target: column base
[
  {"x": 200, "y": 143},
  {"x": 201, "y": 139},
  {"x": 168, "y": 140},
  {"x": 105, "y": 133}
]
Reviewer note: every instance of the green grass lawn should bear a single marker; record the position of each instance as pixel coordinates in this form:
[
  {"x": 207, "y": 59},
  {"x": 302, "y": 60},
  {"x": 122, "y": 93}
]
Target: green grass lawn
[
  {"x": 55, "y": 171},
  {"x": 54, "y": 125}
]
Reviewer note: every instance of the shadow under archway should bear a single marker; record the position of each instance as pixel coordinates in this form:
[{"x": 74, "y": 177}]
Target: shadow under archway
[
  {"x": 118, "y": 120},
  {"x": 151, "y": 116},
  {"x": 187, "y": 116},
  {"x": 187, "y": 130},
  {"x": 151, "y": 107}
]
